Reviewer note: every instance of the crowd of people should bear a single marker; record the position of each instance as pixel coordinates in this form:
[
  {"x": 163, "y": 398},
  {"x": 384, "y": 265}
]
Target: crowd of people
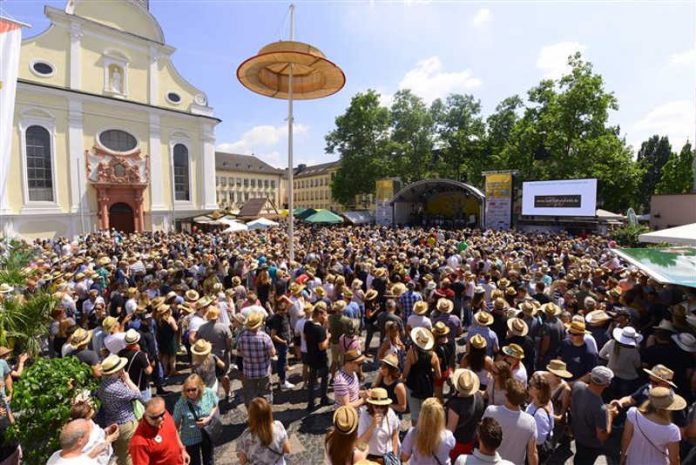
[{"x": 429, "y": 347}]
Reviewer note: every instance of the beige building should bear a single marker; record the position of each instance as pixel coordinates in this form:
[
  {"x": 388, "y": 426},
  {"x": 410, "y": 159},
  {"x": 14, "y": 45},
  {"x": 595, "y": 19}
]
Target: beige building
[
  {"x": 239, "y": 178},
  {"x": 312, "y": 186},
  {"x": 106, "y": 131}
]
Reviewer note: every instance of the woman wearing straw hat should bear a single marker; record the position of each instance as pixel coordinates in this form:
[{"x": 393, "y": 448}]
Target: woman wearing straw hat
[
  {"x": 464, "y": 411},
  {"x": 477, "y": 361},
  {"x": 481, "y": 326},
  {"x": 206, "y": 364},
  {"x": 557, "y": 374},
  {"x": 389, "y": 378},
  {"x": 623, "y": 358},
  {"x": 429, "y": 442},
  {"x": 341, "y": 442},
  {"x": 649, "y": 435},
  {"x": 518, "y": 333},
  {"x": 421, "y": 370},
  {"x": 445, "y": 354},
  {"x": 378, "y": 426}
]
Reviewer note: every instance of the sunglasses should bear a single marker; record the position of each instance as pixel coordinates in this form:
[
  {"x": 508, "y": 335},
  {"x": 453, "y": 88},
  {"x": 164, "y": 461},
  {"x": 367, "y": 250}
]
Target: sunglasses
[
  {"x": 157, "y": 417},
  {"x": 192, "y": 390}
]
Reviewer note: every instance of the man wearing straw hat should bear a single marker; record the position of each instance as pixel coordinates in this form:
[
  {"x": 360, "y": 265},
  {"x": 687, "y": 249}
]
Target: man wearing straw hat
[
  {"x": 482, "y": 321},
  {"x": 576, "y": 352},
  {"x": 256, "y": 349},
  {"x": 551, "y": 333},
  {"x": 220, "y": 337}
]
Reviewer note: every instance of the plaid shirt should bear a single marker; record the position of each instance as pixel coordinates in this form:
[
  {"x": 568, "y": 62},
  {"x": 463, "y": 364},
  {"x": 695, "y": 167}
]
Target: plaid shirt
[
  {"x": 117, "y": 400},
  {"x": 407, "y": 300},
  {"x": 255, "y": 348}
]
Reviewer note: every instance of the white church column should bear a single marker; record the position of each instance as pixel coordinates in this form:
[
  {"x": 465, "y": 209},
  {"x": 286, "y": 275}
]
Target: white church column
[
  {"x": 208, "y": 199},
  {"x": 154, "y": 77},
  {"x": 78, "y": 176},
  {"x": 75, "y": 56},
  {"x": 156, "y": 175}
]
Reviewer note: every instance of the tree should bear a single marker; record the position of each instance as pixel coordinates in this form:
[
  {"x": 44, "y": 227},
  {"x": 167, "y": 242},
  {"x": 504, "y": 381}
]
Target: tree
[
  {"x": 411, "y": 137},
  {"x": 677, "y": 175},
  {"x": 361, "y": 139},
  {"x": 652, "y": 156}
]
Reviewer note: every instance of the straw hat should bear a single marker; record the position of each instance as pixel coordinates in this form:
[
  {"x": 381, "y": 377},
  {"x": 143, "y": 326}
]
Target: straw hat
[
  {"x": 320, "y": 291},
  {"x": 398, "y": 289},
  {"x": 212, "y": 314},
  {"x": 528, "y": 308},
  {"x": 465, "y": 382},
  {"x": 514, "y": 350},
  {"x": 345, "y": 419},
  {"x": 420, "y": 307},
  {"x": 201, "y": 348},
  {"x": 371, "y": 295},
  {"x": 597, "y": 317},
  {"x": 479, "y": 290},
  {"x": 423, "y": 338},
  {"x": 80, "y": 338},
  {"x": 558, "y": 368},
  {"x": 254, "y": 320},
  {"x": 191, "y": 296},
  {"x": 665, "y": 399},
  {"x": 440, "y": 329},
  {"x": 391, "y": 359},
  {"x": 203, "y": 302},
  {"x": 379, "y": 396},
  {"x": 380, "y": 272},
  {"x": 517, "y": 327},
  {"x": 444, "y": 305},
  {"x": 5, "y": 288},
  {"x": 132, "y": 337},
  {"x": 483, "y": 318},
  {"x": 162, "y": 309},
  {"x": 339, "y": 306},
  {"x": 666, "y": 325},
  {"x": 685, "y": 341},
  {"x": 314, "y": 76},
  {"x": 4, "y": 351},
  {"x": 661, "y": 373},
  {"x": 577, "y": 327},
  {"x": 112, "y": 364},
  {"x": 627, "y": 335},
  {"x": 551, "y": 309},
  {"x": 478, "y": 342},
  {"x": 296, "y": 289},
  {"x": 354, "y": 356}
]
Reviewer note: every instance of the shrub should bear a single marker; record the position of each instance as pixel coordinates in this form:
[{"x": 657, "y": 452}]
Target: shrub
[
  {"x": 41, "y": 402},
  {"x": 627, "y": 236}
]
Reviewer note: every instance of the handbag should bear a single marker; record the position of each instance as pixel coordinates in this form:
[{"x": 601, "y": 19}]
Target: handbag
[
  {"x": 138, "y": 406},
  {"x": 214, "y": 427},
  {"x": 390, "y": 458},
  {"x": 546, "y": 448}
]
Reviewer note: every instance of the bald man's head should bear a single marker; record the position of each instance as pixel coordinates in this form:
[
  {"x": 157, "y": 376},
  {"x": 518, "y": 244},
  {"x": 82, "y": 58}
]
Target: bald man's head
[
  {"x": 154, "y": 412},
  {"x": 75, "y": 435}
]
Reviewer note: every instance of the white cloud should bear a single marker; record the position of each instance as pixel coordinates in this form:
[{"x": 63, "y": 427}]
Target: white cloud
[
  {"x": 685, "y": 58},
  {"x": 553, "y": 59},
  {"x": 265, "y": 142},
  {"x": 674, "y": 119},
  {"x": 482, "y": 17},
  {"x": 429, "y": 81}
]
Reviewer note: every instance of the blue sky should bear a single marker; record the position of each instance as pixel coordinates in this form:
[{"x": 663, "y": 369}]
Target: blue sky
[{"x": 646, "y": 52}]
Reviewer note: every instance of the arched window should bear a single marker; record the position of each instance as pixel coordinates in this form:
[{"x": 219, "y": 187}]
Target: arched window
[
  {"x": 39, "y": 169},
  {"x": 181, "y": 173}
]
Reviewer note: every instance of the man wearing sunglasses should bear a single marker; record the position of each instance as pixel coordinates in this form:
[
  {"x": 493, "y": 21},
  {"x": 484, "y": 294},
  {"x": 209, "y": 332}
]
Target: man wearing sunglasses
[{"x": 156, "y": 440}]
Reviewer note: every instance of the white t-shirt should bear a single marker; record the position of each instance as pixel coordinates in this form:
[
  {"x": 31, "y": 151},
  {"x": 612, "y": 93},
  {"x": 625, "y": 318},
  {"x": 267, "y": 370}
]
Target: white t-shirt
[
  {"x": 640, "y": 450},
  {"x": 380, "y": 442},
  {"x": 131, "y": 306},
  {"x": 419, "y": 321},
  {"x": 96, "y": 437},
  {"x": 196, "y": 323},
  {"x": 83, "y": 459},
  {"x": 519, "y": 427},
  {"x": 115, "y": 343},
  {"x": 299, "y": 329},
  {"x": 520, "y": 374}
]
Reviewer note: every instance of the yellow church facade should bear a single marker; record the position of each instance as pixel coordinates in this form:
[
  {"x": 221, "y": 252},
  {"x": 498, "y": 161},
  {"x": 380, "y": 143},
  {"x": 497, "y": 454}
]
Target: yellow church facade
[{"x": 106, "y": 132}]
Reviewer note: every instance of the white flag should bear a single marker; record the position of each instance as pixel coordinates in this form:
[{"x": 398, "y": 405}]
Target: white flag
[{"x": 10, "y": 42}]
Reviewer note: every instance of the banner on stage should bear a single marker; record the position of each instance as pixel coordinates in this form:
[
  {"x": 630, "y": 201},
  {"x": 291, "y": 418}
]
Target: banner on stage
[{"x": 498, "y": 200}]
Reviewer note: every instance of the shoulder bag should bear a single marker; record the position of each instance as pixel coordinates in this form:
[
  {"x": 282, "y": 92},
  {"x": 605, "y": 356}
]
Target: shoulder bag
[
  {"x": 137, "y": 404},
  {"x": 546, "y": 448},
  {"x": 214, "y": 427}
]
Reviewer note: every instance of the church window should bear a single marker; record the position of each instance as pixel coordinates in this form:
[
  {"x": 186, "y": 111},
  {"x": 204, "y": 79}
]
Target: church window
[
  {"x": 117, "y": 140},
  {"x": 181, "y": 173},
  {"x": 39, "y": 168}
]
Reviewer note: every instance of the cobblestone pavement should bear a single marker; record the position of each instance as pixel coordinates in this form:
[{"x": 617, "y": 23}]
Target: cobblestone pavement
[{"x": 306, "y": 432}]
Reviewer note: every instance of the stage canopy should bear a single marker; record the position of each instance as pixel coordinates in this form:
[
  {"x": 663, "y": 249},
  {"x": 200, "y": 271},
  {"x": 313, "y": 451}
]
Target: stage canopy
[
  {"x": 682, "y": 235},
  {"x": 671, "y": 265},
  {"x": 261, "y": 223},
  {"x": 324, "y": 217}
]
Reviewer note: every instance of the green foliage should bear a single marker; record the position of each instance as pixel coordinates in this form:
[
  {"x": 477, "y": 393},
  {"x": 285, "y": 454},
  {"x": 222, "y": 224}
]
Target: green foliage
[
  {"x": 41, "y": 402},
  {"x": 627, "y": 236},
  {"x": 677, "y": 174},
  {"x": 26, "y": 321},
  {"x": 652, "y": 156},
  {"x": 12, "y": 264},
  {"x": 411, "y": 137}
]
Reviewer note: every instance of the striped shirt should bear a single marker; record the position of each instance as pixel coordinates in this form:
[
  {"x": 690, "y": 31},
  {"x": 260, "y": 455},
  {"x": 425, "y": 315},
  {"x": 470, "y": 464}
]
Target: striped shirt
[{"x": 346, "y": 384}]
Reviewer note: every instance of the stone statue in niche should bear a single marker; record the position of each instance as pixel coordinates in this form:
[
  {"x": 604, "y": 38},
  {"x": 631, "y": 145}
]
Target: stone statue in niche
[{"x": 116, "y": 79}]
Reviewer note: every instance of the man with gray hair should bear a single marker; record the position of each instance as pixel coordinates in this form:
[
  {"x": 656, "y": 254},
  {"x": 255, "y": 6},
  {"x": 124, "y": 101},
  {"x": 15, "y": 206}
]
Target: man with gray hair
[{"x": 73, "y": 438}]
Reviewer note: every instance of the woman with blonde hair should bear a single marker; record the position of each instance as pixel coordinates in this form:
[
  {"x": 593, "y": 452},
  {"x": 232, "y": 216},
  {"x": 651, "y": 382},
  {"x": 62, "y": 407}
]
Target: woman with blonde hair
[
  {"x": 495, "y": 391},
  {"x": 429, "y": 442},
  {"x": 265, "y": 441},
  {"x": 193, "y": 411},
  {"x": 341, "y": 442},
  {"x": 649, "y": 435},
  {"x": 392, "y": 343}
]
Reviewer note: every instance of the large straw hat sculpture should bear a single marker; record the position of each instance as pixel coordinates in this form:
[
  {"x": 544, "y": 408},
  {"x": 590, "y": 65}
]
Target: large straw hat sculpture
[{"x": 313, "y": 76}]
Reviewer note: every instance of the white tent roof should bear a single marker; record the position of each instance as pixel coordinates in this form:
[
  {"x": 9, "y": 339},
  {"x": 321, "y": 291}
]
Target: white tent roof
[
  {"x": 261, "y": 223},
  {"x": 233, "y": 226},
  {"x": 683, "y": 235}
]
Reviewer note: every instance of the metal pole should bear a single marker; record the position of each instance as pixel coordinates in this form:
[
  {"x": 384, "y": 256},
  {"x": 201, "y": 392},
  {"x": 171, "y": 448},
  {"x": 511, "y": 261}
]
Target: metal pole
[{"x": 291, "y": 216}]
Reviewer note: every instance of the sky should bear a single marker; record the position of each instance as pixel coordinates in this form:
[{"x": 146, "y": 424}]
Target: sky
[{"x": 645, "y": 51}]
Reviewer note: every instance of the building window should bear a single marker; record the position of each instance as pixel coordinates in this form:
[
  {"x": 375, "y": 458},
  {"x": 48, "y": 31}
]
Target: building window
[
  {"x": 265, "y": 183},
  {"x": 181, "y": 173},
  {"x": 272, "y": 184},
  {"x": 239, "y": 182},
  {"x": 42, "y": 68},
  {"x": 39, "y": 169},
  {"x": 246, "y": 182},
  {"x": 230, "y": 182},
  {"x": 253, "y": 183},
  {"x": 117, "y": 140},
  {"x": 173, "y": 98},
  {"x": 246, "y": 196},
  {"x": 223, "y": 181}
]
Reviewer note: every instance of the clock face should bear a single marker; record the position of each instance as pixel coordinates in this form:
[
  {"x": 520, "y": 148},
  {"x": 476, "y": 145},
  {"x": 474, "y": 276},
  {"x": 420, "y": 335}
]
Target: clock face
[{"x": 119, "y": 170}]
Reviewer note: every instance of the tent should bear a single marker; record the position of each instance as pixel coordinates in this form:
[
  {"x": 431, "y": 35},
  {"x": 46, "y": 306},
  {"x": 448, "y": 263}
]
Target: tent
[
  {"x": 672, "y": 265},
  {"x": 304, "y": 213},
  {"x": 234, "y": 226},
  {"x": 261, "y": 223},
  {"x": 324, "y": 217},
  {"x": 682, "y": 235},
  {"x": 359, "y": 217}
]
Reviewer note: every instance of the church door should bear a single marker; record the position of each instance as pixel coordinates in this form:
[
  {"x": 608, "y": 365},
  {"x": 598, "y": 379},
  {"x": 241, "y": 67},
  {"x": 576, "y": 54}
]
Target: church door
[{"x": 121, "y": 218}]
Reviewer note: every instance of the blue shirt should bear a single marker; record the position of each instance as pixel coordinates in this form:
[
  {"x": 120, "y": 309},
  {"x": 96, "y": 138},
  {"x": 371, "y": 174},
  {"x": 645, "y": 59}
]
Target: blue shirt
[
  {"x": 117, "y": 400},
  {"x": 189, "y": 432},
  {"x": 488, "y": 334},
  {"x": 352, "y": 310}
]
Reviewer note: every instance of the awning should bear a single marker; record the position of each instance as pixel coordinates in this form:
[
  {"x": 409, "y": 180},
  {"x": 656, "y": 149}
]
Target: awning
[
  {"x": 324, "y": 217},
  {"x": 261, "y": 223},
  {"x": 682, "y": 235},
  {"x": 670, "y": 265},
  {"x": 233, "y": 226}
]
